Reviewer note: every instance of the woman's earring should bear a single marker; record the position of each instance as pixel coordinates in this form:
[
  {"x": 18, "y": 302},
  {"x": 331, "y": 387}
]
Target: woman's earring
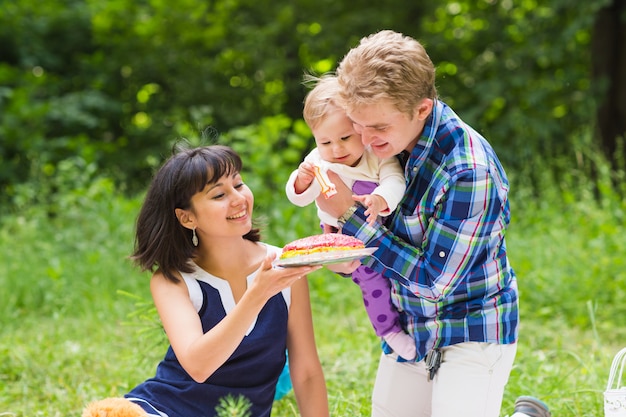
[{"x": 194, "y": 237}]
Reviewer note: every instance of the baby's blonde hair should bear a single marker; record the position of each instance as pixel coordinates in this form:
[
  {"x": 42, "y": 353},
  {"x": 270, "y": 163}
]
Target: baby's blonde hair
[
  {"x": 321, "y": 99},
  {"x": 386, "y": 65}
]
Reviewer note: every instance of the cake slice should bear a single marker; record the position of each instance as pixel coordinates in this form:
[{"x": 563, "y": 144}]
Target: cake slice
[{"x": 327, "y": 242}]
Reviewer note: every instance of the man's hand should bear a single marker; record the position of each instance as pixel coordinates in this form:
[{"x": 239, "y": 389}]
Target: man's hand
[
  {"x": 344, "y": 267},
  {"x": 340, "y": 202},
  {"x": 327, "y": 228}
]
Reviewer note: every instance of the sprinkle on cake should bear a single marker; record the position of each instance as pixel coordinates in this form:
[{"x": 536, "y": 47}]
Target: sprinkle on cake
[{"x": 328, "y": 242}]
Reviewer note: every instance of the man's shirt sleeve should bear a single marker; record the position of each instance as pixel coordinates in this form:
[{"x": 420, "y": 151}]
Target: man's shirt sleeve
[{"x": 456, "y": 240}]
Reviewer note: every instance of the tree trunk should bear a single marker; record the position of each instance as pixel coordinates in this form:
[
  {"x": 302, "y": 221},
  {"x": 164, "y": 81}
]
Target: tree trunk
[{"x": 609, "y": 66}]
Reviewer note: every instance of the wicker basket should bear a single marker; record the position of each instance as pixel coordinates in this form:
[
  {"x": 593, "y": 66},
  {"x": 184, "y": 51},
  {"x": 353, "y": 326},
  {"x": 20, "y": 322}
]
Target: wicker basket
[{"x": 615, "y": 394}]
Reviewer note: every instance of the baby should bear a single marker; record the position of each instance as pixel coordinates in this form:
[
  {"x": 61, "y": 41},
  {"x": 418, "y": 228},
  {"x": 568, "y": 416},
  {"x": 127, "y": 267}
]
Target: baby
[{"x": 380, "y": 183}]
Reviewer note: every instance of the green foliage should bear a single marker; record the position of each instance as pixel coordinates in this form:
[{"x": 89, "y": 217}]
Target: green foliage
[
  {"x": 115, "y": 83},
  {"x": 572, "y": 227},
  {"x": 231, "y": 406},
  {"x": 517, "y": 71},
  {"x": 68, "y": 236}
]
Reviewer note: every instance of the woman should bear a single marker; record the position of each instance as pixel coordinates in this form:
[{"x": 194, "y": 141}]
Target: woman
[{"x": 229, "y": 315}]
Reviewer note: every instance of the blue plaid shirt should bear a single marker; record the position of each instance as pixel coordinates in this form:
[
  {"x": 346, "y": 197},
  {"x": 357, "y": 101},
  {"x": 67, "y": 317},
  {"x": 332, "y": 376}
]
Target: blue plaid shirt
[{"x": 444, "y": 249}]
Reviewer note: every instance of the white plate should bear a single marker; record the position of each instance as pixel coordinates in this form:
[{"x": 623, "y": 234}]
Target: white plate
[{"x": 322, "y": 258}]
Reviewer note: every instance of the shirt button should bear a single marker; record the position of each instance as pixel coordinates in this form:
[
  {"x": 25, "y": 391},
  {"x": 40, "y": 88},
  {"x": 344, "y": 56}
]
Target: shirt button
[{"x": 442, "y": 254}]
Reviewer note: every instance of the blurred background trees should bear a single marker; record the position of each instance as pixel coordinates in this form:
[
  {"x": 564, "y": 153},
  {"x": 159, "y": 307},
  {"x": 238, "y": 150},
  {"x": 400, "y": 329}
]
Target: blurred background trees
[
  {"x": 93, "y": 93},
  {"x": 103, "y": 88}
]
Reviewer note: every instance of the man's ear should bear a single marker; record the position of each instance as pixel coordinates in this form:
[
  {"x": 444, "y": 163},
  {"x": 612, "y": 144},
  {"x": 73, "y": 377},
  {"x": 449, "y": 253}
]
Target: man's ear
[
  {"x": 185, "y": 218},
  {"x": 424, "y": 108}
]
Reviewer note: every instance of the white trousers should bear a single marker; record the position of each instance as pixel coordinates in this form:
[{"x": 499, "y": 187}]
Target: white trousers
[{"x": 469, "y": 383}]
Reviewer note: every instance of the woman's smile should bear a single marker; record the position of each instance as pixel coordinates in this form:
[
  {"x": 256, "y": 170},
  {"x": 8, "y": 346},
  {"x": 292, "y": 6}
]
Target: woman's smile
[{"x": 238, "y": 215}]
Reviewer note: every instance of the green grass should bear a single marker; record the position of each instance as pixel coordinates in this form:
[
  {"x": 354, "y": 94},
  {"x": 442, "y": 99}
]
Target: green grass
[{"x": 76, "y": 325}]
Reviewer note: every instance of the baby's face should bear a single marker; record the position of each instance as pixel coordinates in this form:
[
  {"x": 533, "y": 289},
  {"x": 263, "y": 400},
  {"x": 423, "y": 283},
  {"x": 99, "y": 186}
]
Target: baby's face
[{"x": 337, "y": 140}]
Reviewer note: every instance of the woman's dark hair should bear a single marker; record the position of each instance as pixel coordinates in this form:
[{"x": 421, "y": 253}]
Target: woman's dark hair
[{"x": 160, "y": 240}]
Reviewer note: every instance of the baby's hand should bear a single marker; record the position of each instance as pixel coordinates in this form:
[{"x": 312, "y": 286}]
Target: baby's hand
[
  {"x": 304, "y": 178},
  {"x": 375, "y": 205}
]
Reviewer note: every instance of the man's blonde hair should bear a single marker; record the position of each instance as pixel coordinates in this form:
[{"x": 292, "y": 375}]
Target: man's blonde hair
[
  {"x": 321, "y": 99},
  {"x": 386, "y": 65}
]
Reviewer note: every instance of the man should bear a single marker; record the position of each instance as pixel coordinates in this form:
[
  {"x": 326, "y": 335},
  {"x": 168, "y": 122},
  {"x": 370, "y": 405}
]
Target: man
[{"x": 443, "y": 250}]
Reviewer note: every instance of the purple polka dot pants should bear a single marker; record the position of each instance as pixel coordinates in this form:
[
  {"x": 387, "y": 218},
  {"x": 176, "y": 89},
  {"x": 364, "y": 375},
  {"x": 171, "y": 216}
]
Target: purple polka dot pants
[{"x": 377, "y": 300}]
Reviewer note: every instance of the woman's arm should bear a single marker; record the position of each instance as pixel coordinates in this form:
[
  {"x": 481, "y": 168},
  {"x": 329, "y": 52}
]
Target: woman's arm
[
  {"x": 200, "y": 353},
  {"x": 304, "y": 365}
]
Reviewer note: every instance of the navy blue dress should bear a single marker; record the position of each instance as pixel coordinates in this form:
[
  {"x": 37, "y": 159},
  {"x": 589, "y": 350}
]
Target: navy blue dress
[{"x": 252, "y": 370}]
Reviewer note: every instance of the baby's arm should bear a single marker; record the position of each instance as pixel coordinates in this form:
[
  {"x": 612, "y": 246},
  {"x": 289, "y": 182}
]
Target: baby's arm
[
  {"x": 304, "y": 178},
  {"x": 391, "y": 184},
  {"x": 386, "y": 196},
  {"x": 301, "y": 197}
]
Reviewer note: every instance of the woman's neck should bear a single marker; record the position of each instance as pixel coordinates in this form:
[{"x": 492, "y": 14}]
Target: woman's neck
[{"x": 228, "y": 259}]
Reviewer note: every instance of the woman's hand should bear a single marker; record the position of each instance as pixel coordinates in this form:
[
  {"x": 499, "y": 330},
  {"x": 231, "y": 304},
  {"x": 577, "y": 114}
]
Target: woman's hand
[{"x": 272, "y": 280}]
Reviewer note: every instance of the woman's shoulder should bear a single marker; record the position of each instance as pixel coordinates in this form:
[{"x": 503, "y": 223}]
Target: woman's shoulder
[
  {"x": 159, "y": 278},
  {"x": 272, "y": 248}
]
